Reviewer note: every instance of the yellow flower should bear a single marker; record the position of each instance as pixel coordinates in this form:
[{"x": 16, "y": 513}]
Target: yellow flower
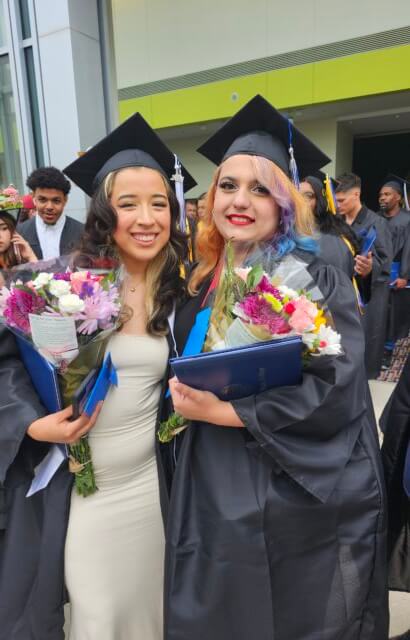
[
  {"x": 319, "y": 321},
  {"x": 274, "y": 302}
]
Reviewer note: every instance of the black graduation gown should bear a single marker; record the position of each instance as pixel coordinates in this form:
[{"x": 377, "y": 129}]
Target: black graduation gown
[
  {"x": 395, "y": 422},
  {"x": 375, "y": 317},
  {"x": 399, "y": 299},
  {"x": 277, "y": 531},
  {"x": 333, "y": 250},
  {"x": 32, "y": 592}
]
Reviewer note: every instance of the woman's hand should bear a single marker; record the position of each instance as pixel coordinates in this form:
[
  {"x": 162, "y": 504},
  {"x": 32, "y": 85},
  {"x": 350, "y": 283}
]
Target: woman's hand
[
  {"x": 202, "y": 406},
  {"x": 23, "y": 247},
  {"x": 57, "y": 427}
]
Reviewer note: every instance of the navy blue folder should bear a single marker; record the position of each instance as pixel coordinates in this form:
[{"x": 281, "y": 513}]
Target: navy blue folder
[
  {"x": 243, "y": 371},
  {"x": 43, "y": 375},
  {"x": 45, "y": 380},
  {"x": 369, "y": 239}
]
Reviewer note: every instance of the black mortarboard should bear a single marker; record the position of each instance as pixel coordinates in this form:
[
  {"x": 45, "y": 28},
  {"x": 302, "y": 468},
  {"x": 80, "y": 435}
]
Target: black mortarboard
[
  {"x": 258, "y": 129},
  {"x": 399, "y": 184},
  {"x": 11, "y": 213},
  {"x": 133, "y": 144}
]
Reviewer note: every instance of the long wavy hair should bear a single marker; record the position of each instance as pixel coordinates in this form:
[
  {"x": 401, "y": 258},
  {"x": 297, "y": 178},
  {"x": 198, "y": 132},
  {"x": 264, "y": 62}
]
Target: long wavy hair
[
  {"x": 164, "y": 286},
  {"x": 8, "y": 257},
  {"x": 296, "y": 228},
  {"x": 328, "y": 222}
]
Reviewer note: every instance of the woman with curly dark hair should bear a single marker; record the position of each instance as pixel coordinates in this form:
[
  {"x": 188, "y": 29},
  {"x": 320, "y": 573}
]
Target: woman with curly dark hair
[{"x": 108, "y": 549}]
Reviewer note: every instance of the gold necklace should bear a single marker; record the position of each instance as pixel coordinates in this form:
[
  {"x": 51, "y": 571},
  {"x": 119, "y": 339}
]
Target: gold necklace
[{"x": 135, "y": 287}]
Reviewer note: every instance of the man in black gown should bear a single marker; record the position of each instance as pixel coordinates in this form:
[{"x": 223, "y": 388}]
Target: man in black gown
[
  {"x": 398, "y": 220},
  {"x": 376, "y": 264}
]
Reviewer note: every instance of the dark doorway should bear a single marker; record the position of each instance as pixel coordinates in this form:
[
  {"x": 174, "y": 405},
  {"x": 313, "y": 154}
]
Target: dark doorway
[{"x": 375, "y": 157}]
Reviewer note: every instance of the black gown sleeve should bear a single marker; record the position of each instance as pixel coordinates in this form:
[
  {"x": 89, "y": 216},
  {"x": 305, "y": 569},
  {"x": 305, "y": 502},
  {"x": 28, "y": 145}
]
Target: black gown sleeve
[
  {"x": 382, "y": 252},
  {"x": 310, "y": 430},
  {"x": 19, "y": 407}
]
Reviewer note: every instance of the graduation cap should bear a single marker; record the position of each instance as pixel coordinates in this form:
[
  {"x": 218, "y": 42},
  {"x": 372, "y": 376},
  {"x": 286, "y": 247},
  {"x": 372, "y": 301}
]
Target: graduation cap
[
  {"x": 11, "y": 214},
  {"x": 133, "y": 144},
  {"x": 258, "y": 129},
  {"x": 328, "y": 185},
  {"x": 400, "y": 185}
]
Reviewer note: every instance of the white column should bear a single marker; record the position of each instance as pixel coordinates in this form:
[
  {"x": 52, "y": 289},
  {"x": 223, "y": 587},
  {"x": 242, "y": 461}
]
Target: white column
[{"x": 71, "y": 76}]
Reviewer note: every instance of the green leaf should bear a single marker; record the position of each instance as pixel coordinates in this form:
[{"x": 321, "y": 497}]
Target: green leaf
[
  {"x": 254, "y": 276},
  {"x": 171, "y": 427}
]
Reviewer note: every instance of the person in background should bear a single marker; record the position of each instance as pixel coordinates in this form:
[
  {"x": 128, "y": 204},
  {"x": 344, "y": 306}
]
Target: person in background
[
  {"x": 14, "y": 249},
  {"x": 51, "y": 233},
  {"x": 191, "y": 209},
  {"x": 338, "y": 243},
  {"x": 376, "y": 265},
  {"x": 391, "y": 196},
  {"x": 201, "y": 205}
]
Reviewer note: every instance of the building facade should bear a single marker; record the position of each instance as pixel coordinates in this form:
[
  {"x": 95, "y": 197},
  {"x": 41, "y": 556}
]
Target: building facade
[{"x": 71, "y": 69}]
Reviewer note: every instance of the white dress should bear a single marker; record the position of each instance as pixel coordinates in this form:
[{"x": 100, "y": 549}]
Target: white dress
[{"x": 114, "y": 550}]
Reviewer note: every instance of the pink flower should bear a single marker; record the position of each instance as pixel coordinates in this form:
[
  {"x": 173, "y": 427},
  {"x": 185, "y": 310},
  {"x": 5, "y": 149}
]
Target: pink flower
[
  {"x": 100, "y": 310},
  {"x": 242, "y": 272},
  {"x": 10, "y": 191},
  {"x": 18, "y": 307},
  {"x": 300, "y": 321},
  {"x": 303, "y": 304}
]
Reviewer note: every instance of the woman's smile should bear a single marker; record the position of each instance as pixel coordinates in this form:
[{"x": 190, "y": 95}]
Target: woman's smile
[{"x": 240, "y": 219}]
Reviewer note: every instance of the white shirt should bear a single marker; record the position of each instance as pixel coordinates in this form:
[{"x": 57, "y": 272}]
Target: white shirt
[{"x": 49, "y": 236}]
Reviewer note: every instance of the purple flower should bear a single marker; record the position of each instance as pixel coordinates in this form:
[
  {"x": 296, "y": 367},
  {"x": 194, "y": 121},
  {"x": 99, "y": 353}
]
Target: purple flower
[
  {"x": 259, "y": 312},
  {"x": 20, "y": 304},
  {"x": 87, "y": 290},
  {"x": 62, "y": 276}
]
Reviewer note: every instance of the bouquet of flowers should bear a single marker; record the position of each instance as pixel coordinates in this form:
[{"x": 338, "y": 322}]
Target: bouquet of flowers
[
  {"x": 67, "y": 316},
  {"x": 10, "y": 198},
  {"x": 251, "y": 306}
]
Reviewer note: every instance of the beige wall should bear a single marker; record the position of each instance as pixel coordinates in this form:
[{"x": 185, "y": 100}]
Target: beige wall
[
  {"x": 323, "y": 132},
  {"x": 157, "y": 39},
  {"x": 344, "y": 149}
]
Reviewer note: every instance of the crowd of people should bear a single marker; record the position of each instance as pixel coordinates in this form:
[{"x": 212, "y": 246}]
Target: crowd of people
[{"x": 268, "y": 504}]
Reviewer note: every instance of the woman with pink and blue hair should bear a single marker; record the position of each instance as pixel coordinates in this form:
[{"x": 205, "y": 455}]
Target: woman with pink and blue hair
[{"x": 276, "y": 527}]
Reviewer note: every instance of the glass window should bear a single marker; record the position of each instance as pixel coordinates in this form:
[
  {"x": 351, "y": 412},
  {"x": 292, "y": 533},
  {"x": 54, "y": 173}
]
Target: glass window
[
  {"x": 10, "y": 167},
  {"x": 25, "y": 19},
  {"x": 3, "y": 34},
  {"x": 34, "y": 109}
]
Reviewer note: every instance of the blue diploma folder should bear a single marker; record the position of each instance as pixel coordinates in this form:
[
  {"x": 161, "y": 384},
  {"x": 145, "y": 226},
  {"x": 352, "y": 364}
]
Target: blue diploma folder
[
  {"x": 43, "y": 375},
  {"x": 45, "y": 380},
  {"x": 243, "y": 371},
  {"x": 369, "y": 239}
]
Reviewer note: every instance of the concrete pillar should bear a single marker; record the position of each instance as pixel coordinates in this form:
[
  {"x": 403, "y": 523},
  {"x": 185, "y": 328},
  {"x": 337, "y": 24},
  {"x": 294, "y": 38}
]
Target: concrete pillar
[{"x": 72, "y": 82}]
